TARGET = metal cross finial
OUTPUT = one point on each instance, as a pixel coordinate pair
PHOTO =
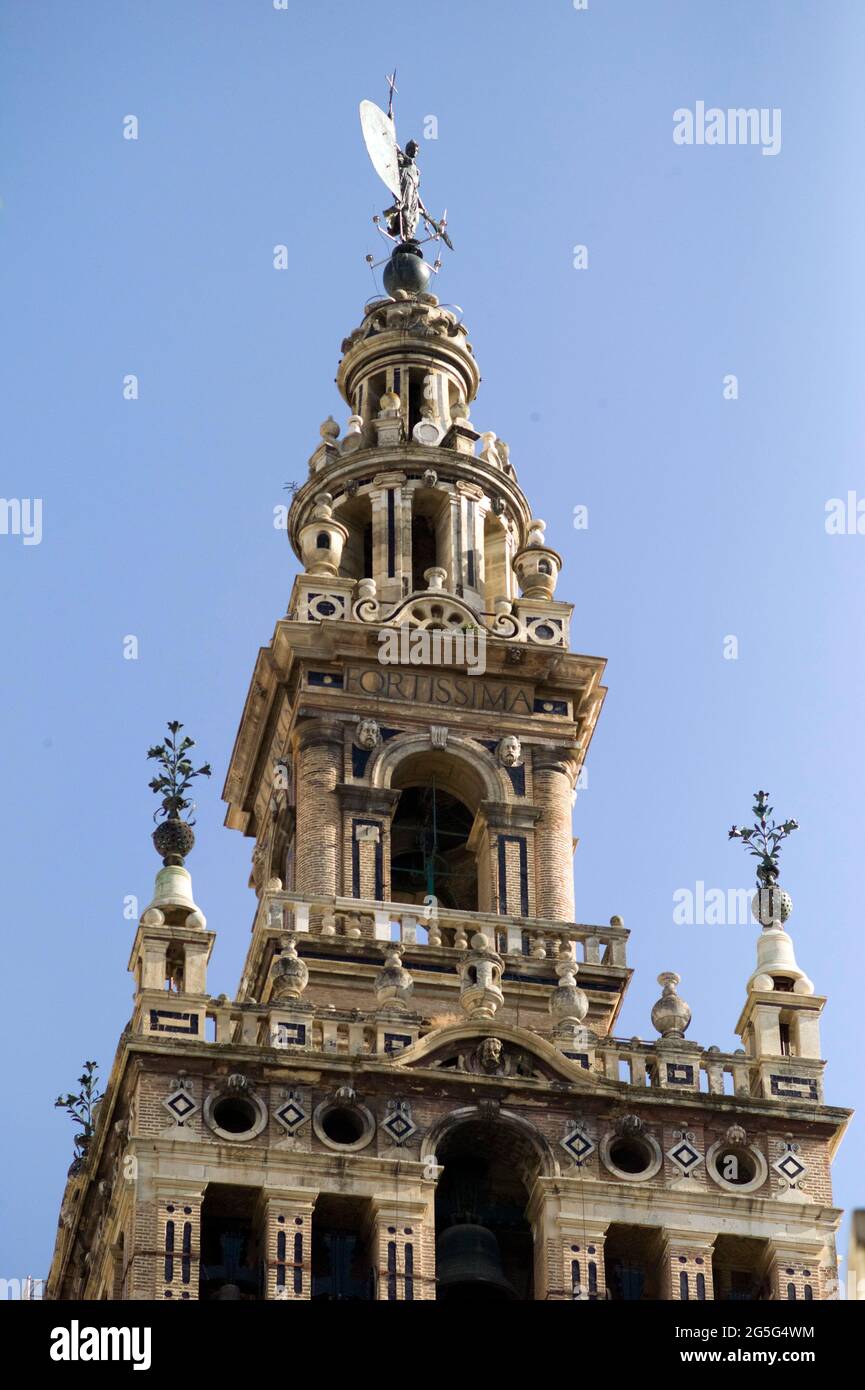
(764, 839)
(392, 87)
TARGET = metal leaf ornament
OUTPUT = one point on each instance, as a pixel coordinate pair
(764, 839)
(177, 774)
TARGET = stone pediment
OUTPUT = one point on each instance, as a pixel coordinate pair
(497, 1051)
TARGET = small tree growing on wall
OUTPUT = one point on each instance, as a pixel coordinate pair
(80, 1107)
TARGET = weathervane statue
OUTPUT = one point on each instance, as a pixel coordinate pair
(399, 172)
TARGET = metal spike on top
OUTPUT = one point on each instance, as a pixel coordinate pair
(764, 839)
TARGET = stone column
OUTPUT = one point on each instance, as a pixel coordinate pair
(286, 1227)
(502, 840)
(367, 813)
(388, 535)
(402, 1250)
(686, 1266)
(470, 546)
(569, 1247)
(319, 754)
(168, 1244)
(569, 1254)
(583, 1259)
(793, 1271)
(553, 780)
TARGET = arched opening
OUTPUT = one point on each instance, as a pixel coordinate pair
(355, 513)
(429, 849)
(429, 514)
(423, 549)
(484, 1241)
(341, 1265)
(231, 1243)
(435, 848)
(738, 1269)
(632, 1264)
(175, 967)
(498, 576)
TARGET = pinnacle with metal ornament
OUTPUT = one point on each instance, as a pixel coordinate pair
(398, 170)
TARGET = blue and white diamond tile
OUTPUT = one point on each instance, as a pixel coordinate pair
(180, 1104)
(577, 1145)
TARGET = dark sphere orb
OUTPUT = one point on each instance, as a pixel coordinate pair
(406, 270)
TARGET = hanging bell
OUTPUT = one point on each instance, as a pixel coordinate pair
(228, 1292)
(469, 1265)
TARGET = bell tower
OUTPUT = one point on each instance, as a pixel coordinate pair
(416, 727)
(417, 1091)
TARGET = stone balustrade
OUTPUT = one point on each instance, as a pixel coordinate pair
(438, 928)
(632, 1064)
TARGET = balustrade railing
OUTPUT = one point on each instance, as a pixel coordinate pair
(632, 1063)
(437, 927)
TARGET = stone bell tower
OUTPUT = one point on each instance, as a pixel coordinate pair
(418, 1092)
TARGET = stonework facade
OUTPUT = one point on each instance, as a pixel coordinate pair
(418, 1091)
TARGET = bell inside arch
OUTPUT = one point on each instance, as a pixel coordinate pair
(469, 1265)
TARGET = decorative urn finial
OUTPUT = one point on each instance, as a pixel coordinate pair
(480, 971)
(174, 838)
(771, 904)
(568, 1003)
(670, 1015)
(290, 973)
(393, 983)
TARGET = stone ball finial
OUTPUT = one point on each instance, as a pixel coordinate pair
(323, 509)
(489, 452)
(329, 429)
(536, 532)
(771, 906)
(389, 403)
(670, 1015)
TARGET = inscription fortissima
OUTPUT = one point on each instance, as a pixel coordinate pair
(425, 688)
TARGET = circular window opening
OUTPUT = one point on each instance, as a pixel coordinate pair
(343, 1126)
(630, 1155)
(735, 1166)
(234, 1115)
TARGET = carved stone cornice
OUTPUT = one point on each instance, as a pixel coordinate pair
(359, 796)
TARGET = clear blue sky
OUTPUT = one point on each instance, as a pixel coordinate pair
(706, 516)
